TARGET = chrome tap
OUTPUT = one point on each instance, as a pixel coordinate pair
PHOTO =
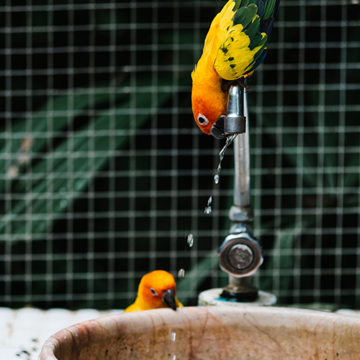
(241, 253)
(234, 121)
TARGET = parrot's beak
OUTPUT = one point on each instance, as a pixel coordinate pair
(169, 299)
(217, 130)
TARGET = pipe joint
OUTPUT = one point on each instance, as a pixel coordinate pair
(241, 214)
(240, 254)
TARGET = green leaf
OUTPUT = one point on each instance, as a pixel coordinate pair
(29, 136)
(72, 154)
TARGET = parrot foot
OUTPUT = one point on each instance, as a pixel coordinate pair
(243, 84)
(227, 83)
(225, 86)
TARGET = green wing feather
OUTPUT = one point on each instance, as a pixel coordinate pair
(237, 5)
(246, 15)
(258, 40)
(241, 45)
(246, 40)
(253, 28)
(269, 9)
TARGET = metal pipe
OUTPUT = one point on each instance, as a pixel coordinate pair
(242, 210)
(242, 164)
(240, 254)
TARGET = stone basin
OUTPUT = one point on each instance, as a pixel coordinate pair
(210, 333)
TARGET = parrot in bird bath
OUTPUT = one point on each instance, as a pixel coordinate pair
(234, 47)
(156, 290)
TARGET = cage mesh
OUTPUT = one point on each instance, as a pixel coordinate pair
(104, 172)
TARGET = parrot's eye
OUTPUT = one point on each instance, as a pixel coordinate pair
(153, 292)
(202, 120)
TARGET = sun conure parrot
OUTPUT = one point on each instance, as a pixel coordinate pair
(156, 290)
(234, 47)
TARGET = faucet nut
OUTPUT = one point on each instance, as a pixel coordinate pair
(240, 256)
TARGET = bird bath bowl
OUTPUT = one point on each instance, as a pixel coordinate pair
(210, 333)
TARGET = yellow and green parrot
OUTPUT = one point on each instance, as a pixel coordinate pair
(234, 47)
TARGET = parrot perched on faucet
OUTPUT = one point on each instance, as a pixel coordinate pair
(234, 47)
(156, 290)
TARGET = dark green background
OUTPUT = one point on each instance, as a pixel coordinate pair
(118, 173)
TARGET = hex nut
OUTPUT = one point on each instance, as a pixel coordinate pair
(228, 263)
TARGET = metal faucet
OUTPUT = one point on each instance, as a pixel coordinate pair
(241, 253)
(234, 122)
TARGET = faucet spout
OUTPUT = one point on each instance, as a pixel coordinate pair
(234, 121)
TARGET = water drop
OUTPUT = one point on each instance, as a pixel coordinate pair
(207, 210)
(229, 141)
(208, 207)
(181, 273)
(190, 240)
(172, 335)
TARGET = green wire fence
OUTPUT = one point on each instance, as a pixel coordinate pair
(104, 172)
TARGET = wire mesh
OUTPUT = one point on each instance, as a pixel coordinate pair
(105, 172)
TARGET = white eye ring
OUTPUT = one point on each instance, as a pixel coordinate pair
(153, 292)
(202, 120)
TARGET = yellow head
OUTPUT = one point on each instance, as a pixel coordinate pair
(158, 290)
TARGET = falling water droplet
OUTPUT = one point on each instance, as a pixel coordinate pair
(190, 240)
(172, 335)
(181, 273)
(207, 210)
(208, 207)
(229, 141)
